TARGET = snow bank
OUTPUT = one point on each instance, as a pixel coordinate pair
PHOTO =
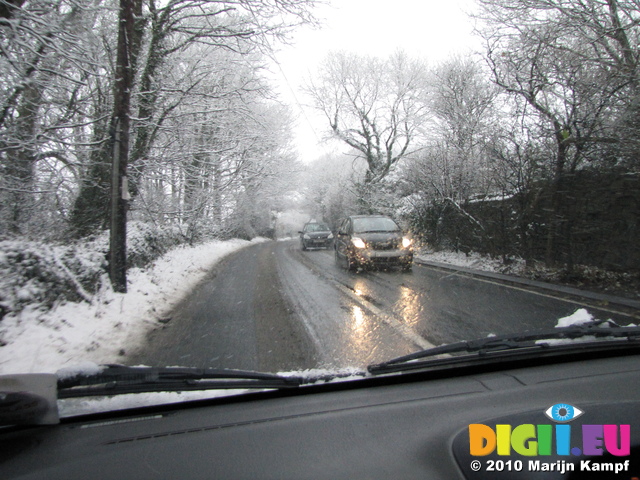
(44, 340)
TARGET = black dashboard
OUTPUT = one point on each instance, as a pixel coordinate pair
(414, 426)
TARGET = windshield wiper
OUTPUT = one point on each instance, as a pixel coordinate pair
(119, 379)
(499, 343)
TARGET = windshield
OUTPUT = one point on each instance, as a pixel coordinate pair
(374, 224)
(155, 204)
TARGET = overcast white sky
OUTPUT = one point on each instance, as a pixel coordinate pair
(429, 29)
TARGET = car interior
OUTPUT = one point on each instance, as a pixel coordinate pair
(410, 425)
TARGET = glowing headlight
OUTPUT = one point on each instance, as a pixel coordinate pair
(406, 242)
(306, 237)
(358, 242)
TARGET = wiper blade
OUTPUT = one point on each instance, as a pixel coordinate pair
(119, 379)
(532, 339)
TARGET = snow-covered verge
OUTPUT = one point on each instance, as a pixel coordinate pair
(46, 330)
(473, 260)
(625, 284)
(38, 274)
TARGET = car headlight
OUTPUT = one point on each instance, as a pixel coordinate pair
(358, 242)
(406, 242)
(306, 237)
(330, 236)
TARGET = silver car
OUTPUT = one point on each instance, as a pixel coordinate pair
(368, 240)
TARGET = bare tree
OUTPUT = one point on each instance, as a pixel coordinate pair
(215, 159)
(328, 188)
(608, 28)
(456, 161)
(43, 77)
(170, 30)
(465, 115)
(570, 63)
(375, 106)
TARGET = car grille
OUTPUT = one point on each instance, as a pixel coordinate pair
(387, 245)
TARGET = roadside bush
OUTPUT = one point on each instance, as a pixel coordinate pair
(146, 242)
(41, 274)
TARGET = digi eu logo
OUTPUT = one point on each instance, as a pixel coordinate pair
(532, 440)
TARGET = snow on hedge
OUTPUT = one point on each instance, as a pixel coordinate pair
(58, 308)
(42, 275)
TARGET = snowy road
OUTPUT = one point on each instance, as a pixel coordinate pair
(272, 307)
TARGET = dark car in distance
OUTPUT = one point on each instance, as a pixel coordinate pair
(315, 235)
(372, 240)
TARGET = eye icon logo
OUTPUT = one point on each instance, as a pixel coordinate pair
(563, 412)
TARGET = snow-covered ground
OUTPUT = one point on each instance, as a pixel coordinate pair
(104, 330)
(473, 260)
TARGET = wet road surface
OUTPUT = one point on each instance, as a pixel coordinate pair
(273, 307)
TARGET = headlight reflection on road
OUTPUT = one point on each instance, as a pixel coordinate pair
(362, 325)
(409, 305)
(360, 332)
(358, 317)
(360, 289)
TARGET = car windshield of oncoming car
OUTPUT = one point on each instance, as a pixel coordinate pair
(335, 119)
(374, 224)
(316, 227)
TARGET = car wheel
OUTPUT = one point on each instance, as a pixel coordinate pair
(304, 247)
